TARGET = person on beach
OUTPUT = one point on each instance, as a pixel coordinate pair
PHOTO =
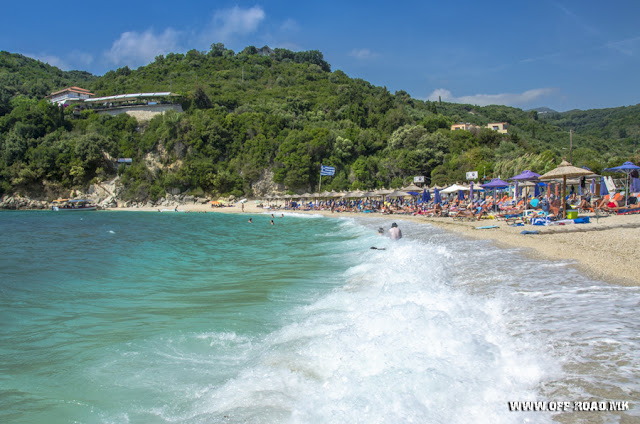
(242, 207)
(395, 232)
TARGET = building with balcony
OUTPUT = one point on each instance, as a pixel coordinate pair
(70, 95)
(501, 127)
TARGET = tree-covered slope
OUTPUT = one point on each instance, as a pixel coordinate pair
(276, 114)
(23, 76)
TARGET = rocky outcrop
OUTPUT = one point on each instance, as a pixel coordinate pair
(17, 202)
(265, 185)
(106, 195)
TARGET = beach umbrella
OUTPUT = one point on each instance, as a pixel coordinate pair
(603, 187)
(412, 189)
(471, 191)
(524, 176)
(436, 196)
(627, 168)
(565, 170)
(536, 190)
(425, 196)
(495, 184)
(453, 188)
(398, 193)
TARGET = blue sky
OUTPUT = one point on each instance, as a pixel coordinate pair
(560, 54)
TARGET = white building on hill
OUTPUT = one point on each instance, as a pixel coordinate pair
(70, 95)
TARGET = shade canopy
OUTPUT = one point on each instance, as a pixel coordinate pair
(526, 176)
(454, 188)
(496, 183)
(565, 169)
(398, 193)
(626, 167)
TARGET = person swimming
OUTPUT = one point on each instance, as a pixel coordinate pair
(395, 232)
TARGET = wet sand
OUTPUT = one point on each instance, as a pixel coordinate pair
(607, 248)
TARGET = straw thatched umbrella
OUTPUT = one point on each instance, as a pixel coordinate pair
(398, 193)
(565, 170)
(412, 187)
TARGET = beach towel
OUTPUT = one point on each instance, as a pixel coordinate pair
(529, 232)
(611, 187)
(540, 221)
(582, 220)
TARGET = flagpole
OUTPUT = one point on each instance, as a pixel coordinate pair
(320, 184)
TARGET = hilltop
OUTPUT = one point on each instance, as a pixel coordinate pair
(265, 119)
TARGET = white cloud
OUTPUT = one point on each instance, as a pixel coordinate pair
(235, 21)
(362, 54)
(626, 47)
(508, 99)
(290, 26)
(81, 59)
(135, 49)
(51, 60)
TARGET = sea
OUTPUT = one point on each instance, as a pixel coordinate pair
(146, 317)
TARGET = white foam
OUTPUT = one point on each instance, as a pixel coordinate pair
(395, 344)
(433, 329)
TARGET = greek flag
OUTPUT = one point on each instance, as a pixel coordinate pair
(327, 170)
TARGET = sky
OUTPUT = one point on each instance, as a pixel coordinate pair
(578, 54)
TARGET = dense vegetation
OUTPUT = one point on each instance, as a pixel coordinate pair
(278, 114)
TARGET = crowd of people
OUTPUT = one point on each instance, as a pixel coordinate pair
(479, 206)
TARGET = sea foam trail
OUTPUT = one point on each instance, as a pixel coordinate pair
(395, 343)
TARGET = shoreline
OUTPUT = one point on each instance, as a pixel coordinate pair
(606, 249)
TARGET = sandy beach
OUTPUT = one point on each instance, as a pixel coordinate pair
(607, 248)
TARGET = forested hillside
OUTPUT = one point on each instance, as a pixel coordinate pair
(274, 114)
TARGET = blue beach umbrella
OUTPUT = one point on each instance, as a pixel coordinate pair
(593, 186)
(436, 196)
(460, 195)
(495, 184)
(524, 176)
(471, 191)
(536, 190)
(425, 196)
(627, 168)
(603, 188)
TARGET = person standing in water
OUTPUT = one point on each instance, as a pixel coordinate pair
(250, 222)
(395, 232)
(272, 222)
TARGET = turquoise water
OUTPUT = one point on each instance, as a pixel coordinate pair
(115, 317)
